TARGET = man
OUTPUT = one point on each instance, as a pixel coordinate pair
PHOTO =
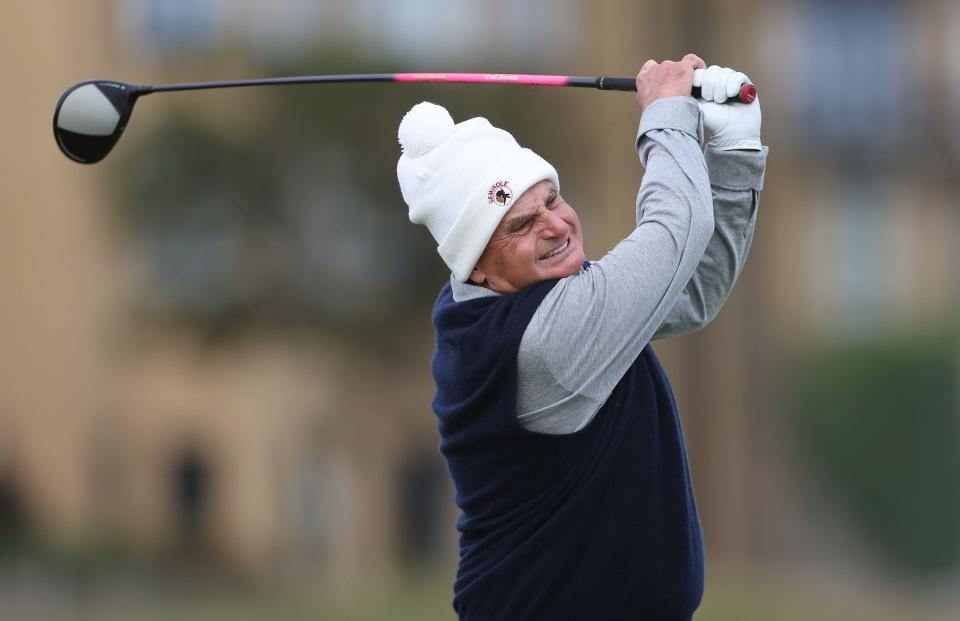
(557, 422)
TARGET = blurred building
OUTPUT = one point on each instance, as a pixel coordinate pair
(318, 458)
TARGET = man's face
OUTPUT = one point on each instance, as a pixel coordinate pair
(538, 239)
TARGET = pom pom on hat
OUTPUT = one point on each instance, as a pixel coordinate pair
(424, 127)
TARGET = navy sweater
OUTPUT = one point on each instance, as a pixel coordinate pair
(595, 525)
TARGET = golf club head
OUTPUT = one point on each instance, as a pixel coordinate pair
(90, 118)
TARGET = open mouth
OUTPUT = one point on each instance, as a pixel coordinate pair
(556, 250)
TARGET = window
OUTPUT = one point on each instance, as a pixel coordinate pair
(853, 75)
(170, 26)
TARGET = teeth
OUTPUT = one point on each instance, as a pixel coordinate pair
(556, 251)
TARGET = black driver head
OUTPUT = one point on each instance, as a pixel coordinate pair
(91, 116)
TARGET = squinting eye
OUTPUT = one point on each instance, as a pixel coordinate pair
(521, 226)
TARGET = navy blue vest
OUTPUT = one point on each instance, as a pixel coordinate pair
(591, 526)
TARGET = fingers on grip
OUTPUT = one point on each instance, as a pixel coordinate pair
(718, 84)
(698, 76)
(735, 83)
(695, 61)
(709, 82)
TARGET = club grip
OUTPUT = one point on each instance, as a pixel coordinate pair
(748, 92)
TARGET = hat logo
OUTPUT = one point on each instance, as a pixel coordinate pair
(500, 194)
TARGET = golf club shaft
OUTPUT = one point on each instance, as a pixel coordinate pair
(747, 92)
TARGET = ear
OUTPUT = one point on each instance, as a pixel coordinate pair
(477, 277)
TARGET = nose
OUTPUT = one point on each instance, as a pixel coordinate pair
(554, 226)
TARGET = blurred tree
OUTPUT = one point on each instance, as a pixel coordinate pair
(879, 422)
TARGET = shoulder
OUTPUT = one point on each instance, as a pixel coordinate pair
(499, 311)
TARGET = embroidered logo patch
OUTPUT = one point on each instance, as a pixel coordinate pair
(500, 194)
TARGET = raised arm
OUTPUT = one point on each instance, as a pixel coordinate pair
(736, 161)
(593, 325)
(736, 178)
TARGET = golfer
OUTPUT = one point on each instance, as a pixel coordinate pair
(558, 425)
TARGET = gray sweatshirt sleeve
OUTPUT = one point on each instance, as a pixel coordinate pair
(736, 178)
(593, 324)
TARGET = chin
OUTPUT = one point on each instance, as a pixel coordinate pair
(563, 266)
(570, 266)
(577, 257)
(575, 265)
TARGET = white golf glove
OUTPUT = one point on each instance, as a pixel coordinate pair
(731, 125)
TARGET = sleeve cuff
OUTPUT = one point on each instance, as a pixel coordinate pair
(679, 113)
(736, 170)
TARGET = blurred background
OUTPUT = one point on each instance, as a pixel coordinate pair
(214, 380)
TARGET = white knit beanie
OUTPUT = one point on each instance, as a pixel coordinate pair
(460, 179)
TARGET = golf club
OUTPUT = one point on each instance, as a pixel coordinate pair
(90, 116)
